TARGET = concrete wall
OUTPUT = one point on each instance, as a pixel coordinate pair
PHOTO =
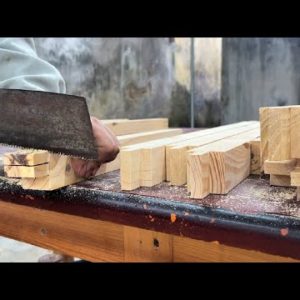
(258, 72)
(140, 77)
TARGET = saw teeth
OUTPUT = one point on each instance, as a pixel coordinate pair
(59, 153)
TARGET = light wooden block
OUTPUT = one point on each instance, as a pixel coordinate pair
(282, 167)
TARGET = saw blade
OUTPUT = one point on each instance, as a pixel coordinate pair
(58, 123)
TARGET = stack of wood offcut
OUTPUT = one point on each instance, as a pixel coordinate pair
(280, 144)
(207, 161)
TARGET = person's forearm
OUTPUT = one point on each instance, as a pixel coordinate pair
(21, 68)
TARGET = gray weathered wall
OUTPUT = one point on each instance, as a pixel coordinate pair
(139, 77)
(258, 72)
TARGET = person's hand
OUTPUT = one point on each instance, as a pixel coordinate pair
(107, 146)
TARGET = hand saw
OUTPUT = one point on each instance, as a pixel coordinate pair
(58, 123)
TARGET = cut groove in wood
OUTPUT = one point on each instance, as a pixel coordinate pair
(61, 174)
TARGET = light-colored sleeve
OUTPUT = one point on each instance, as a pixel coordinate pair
(21, 68)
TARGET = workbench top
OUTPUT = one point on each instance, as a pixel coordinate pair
(253, 216)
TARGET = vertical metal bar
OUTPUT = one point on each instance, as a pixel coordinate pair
(192, 88)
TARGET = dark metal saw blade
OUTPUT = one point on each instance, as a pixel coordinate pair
(40, 120)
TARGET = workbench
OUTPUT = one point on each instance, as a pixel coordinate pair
(94, 220)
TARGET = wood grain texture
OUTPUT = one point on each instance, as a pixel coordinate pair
(142, 245)
(27, 171)
(85, 238)
(26, 158)
(157, 172)
(189, 250)
(218, 171)
(102, 241)
(282, 167)
(205, 134)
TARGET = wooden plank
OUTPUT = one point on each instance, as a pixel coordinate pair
(264, 130)
(61, 174)
(282, 167)
(255, 166)
(218, 170)
(200, 178)
(142, 245)
(158, 148)
(134, 126)
(85, 238)
(295, 132)
(190, 250)
(279, 133)
(280, 180)
(178, 154)
(26, 158)
(101, 241)
(27, 171)
(131, 139)
(205, 135)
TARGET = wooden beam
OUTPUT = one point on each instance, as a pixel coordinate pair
(101, 241)
(190, 250)
(157, 148)
(205, 135)
(178, 154)
(218, 168)
(85, 238)
(134, 126)
(282, 167)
